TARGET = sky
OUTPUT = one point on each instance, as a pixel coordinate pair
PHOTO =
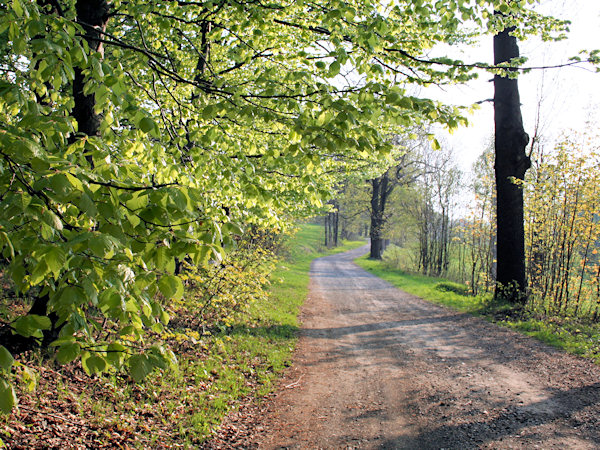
(569, 96)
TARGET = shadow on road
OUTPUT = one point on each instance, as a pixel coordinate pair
(560, 405)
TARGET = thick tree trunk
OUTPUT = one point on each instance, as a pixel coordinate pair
(511, 163)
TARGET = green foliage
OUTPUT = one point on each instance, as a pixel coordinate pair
(217, 370)
(32, 325)
(571, 335)
(221, 292)
(562, 228)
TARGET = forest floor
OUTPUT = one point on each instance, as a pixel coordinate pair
(379, 368)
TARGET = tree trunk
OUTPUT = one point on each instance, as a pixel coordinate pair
(510, 166)
(336, 226)
(93, 15)
(378, 199)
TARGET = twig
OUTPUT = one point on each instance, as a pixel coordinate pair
(56, 416)
(294, 384)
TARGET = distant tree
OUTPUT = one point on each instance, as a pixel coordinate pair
(437, 186)
(405, 171)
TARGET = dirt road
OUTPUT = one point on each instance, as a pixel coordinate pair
(379, 368)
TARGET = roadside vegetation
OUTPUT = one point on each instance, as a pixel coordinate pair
(572, 334)
(234, 331)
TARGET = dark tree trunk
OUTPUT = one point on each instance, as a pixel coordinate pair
(331, 228)
(379, 196)
(93, 16)
(336, 225)
(511, 163)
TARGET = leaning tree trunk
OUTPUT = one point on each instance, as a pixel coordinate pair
(511, 163)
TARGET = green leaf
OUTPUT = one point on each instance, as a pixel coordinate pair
(52, 219)
(87, 205)
(8, 399)
(68, 352)
(18, 8)
(93, 363)
(6, 359)
(55, 259)
(39, 273)
(28, 379)
(4, 238)
(115, 352)
(334, 68)
(171, 286)
(139, 367)
(73, 295)
(31, 324)
(101, 245)
(162, 257)
(147, 124)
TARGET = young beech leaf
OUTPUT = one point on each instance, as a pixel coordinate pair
(68, 352)
(8, 399)
(115, 352)
(147, 124)
(31, 324)
(171, 286)
(334, 68)
(93, 363)
(139, 367)
(6, 359)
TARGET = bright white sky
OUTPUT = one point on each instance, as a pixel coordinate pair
(571, 96)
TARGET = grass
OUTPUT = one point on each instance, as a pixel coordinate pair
(567, 333)
(423, 286)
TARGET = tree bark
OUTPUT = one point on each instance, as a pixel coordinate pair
(93, 15)
(511, 163)
(378, 200)
(336, 223)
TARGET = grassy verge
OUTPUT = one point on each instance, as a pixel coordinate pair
(172, 408)
(567, 333)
